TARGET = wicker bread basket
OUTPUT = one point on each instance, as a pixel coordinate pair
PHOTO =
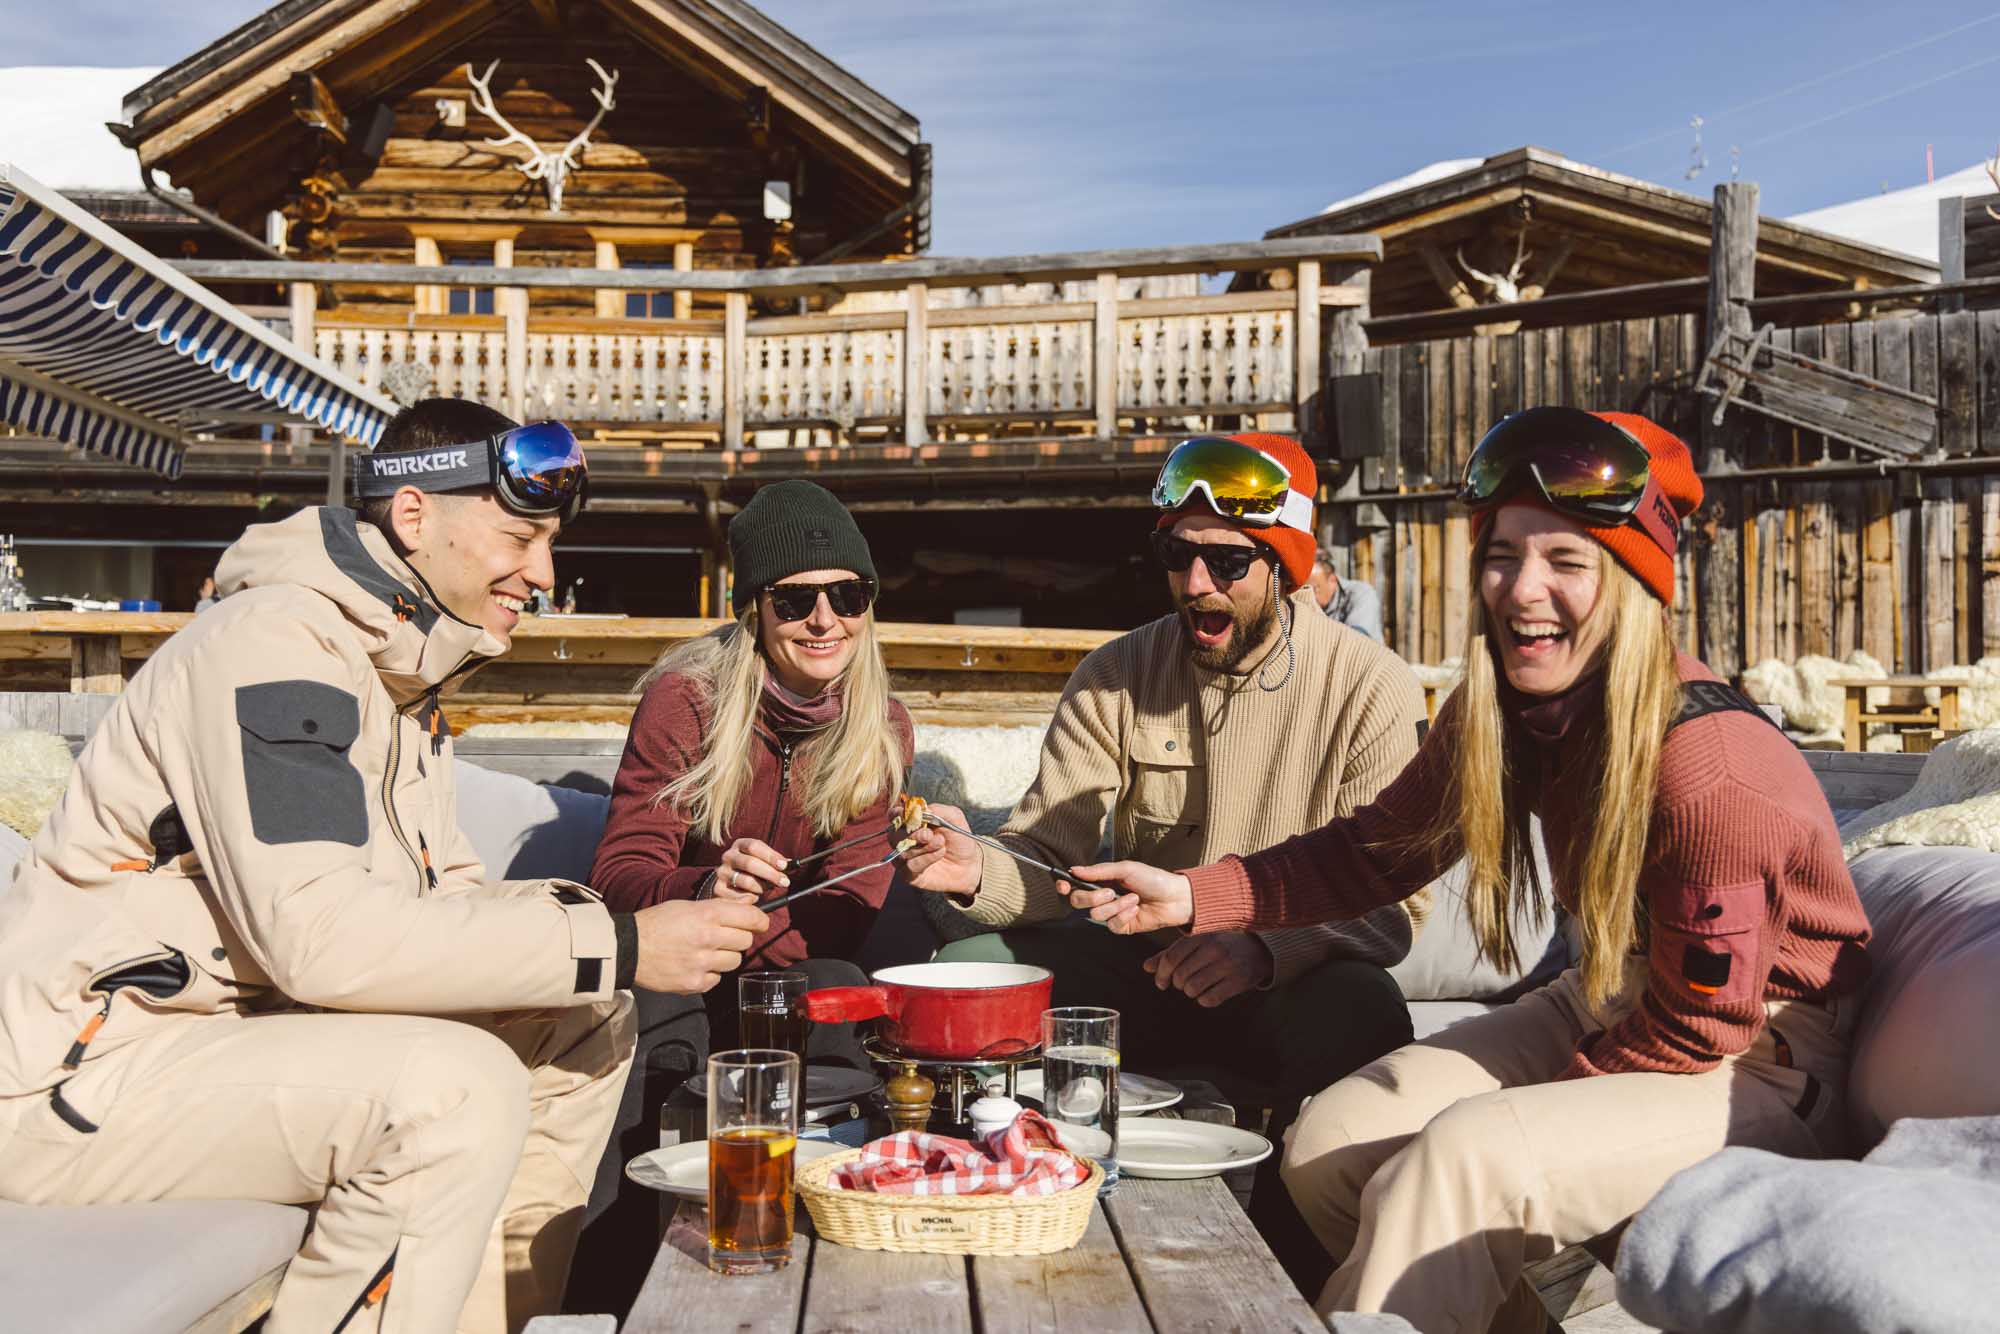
(946, 1224)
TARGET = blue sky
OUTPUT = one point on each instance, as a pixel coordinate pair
(1073, 124)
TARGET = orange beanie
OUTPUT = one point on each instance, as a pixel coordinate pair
(1672, 470)
(1295, 550)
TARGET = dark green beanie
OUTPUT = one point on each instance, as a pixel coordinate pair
(787, 529)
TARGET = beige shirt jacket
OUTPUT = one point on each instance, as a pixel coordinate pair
(1190, 765)
(266, 820)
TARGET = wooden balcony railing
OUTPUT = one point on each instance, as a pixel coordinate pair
(958, 350)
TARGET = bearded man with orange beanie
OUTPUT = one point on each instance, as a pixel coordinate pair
(1237, 721)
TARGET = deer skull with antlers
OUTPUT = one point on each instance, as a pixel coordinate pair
(1500, 288)
(550, 168)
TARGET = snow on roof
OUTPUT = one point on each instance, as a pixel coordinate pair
(52, 124)
(1421, 176)
(1904, 220)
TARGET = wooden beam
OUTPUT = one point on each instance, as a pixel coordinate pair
(683, 262)
(608, 303)
(549, 14)
(735, 365)
(1307, 385)
(916, 362)
(314, 106)
(1104, 356)
(1228, 256)
(1732, 282)
(1453, 286)
(1951, 251)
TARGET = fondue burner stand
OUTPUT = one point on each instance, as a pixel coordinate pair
(959, 1084)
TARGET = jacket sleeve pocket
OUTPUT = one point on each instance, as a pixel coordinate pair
(302, 786)
(1705, 940)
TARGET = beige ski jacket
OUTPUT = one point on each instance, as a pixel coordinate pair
(266, 820)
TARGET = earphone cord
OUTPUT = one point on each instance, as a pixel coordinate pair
(1285, 614)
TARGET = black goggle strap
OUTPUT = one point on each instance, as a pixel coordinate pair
(450, 468)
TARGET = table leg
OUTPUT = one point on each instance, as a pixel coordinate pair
(95, 666)
(1852, 738)
(1948, 708)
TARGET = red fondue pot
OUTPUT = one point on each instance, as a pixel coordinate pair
(946, 1011)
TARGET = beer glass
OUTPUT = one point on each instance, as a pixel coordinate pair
(1080, 1080)
(753, 1129)
(770, 1011)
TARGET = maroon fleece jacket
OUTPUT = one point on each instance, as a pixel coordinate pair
(1745, 891)
(649, 854)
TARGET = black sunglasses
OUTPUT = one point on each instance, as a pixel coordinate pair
(1225, 562)
(847, 597)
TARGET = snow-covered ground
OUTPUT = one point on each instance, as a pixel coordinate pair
(52, 121)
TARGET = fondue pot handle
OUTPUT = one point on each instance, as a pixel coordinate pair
(841, 1005)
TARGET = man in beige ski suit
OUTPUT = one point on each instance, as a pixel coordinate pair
(251, 955)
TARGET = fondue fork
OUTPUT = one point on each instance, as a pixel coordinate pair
(770, 905)
(997, 846)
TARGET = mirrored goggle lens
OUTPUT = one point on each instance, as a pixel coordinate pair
(847, 597)
(1240, 482)
(1225, 562)
(543, 464)
(1581, 462)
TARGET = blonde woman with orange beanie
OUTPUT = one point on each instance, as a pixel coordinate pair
(1721, 939)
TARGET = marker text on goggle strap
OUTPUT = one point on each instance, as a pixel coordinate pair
(405, 465)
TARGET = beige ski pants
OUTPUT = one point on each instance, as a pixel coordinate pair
(450, 1157)
(1436, 1173)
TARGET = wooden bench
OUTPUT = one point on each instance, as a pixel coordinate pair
(1857, 714)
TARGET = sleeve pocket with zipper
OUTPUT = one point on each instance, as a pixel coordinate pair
(1706, 937)
(301, 785)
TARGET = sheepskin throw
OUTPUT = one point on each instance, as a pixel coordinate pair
(34, 769)
(1954, 803)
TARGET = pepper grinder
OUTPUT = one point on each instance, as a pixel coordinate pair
(909, 1096)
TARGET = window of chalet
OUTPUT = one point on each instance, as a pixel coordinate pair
(470, 300)
(655, 305)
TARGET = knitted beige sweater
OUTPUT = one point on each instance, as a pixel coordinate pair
(1192, 765)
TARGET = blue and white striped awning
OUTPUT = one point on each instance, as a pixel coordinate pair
(104, 347)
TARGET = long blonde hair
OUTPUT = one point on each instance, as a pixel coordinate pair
(1489, 819)
(841, 770)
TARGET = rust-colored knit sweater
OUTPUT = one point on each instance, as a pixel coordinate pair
(1746, 894)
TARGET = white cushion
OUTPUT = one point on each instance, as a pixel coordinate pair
(1444, 963)
(523, 830)
(1429, 1018)
(1928, 1043)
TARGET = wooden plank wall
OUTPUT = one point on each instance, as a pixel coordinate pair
(1833, 554)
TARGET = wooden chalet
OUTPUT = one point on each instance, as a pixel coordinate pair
(1532, 224)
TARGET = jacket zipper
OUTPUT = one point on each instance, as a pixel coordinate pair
(784, 781)
(389, 792)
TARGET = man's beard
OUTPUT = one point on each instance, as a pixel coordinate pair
(1248, 631)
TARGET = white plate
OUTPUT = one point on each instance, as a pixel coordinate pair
(1178, 1150)
(1136, 1093)
(682, 1169)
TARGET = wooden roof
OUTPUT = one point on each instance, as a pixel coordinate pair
(1617, 231)
(205, 118)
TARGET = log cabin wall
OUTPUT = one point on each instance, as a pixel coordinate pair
(1824, 551)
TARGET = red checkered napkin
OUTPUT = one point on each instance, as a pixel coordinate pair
(1024, 1159)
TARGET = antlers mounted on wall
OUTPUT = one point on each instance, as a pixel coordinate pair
(1502, 288)
(552, 168)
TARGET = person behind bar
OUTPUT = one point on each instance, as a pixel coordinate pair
(1236, 721)
(768, 740)
(251, 955)
(1723, 943)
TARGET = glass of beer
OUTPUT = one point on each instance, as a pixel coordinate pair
(770, 1011)
(753, 1131)
(1080, 1080)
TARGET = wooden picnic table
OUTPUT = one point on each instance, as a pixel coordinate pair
(1159, 1257)
(1857, 714)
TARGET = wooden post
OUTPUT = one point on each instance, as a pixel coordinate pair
(94, 666)
(610, 302)
(514, 308)
(1732, 281)
(305, 319)
(735, 367)
(1346, 345)
(683, 261)
(1308, 389)
(427, 300)
(1951, 252)
(916, 362)
(1104, 357)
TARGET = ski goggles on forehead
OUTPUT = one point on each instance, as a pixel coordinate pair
(537, 470)
(1241, 483)
(847, 597)
(1583, 467)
